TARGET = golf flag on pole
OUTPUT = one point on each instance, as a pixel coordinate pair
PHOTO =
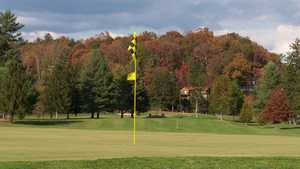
(131, 76)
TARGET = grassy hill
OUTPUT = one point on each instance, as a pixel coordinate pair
(173, 123)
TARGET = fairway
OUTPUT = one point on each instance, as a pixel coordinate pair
(29, 144)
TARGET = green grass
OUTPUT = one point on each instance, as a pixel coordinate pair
(30, 144)
(163, 163)
(172, 142)
(204, 124)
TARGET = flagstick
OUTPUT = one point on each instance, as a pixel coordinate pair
(133, 77)
(134, 104)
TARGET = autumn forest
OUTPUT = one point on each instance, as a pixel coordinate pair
(194, 72)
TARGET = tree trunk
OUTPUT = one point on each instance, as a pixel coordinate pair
(294, 121)
(122, 115)
(56, 115)
(98, 115)
(131, 115)
(11, 118)
(92, 115)
(68, 116)
(196, 109)
(221, 117)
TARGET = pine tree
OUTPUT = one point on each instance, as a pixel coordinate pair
(237, 98)
(16, 89)
(97, 86)
(164, 92)
(277, 108)
(58, 88)
(3, 72)
(74, 71)
(226, 97)
(104, 88)
(142, 96)
(124, 94)
(291, 76)
(270, 79)
(10, 37)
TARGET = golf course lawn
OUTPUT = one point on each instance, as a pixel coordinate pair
(178, 124)
(161, 143)
(163, 163)
(29, 144)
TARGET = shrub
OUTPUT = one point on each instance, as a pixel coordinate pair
(246, 115)
(156, 115)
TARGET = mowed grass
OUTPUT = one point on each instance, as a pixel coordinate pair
(175, 142)
(181, 124)
(31, 144)
(163, 163)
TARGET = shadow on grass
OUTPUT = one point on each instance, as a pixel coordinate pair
(47, 122)
(290, 128)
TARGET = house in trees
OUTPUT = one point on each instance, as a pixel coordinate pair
(184, 98)
(247, 86)
(190, 96)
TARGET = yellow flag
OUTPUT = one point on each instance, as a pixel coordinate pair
(133, 48)
(133, 42)
(133, 57)
(131, 76)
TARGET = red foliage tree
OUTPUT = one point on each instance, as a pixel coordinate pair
(277, 109)
(181, 75)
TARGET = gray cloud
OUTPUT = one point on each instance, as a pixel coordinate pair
(82, 18)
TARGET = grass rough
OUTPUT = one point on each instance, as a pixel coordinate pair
(163, 163)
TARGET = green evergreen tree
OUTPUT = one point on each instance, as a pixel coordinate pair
(269, 80)
(142, 97)
(74, 71)
(237, 98)
(291, 76)
(3, 72)
(164, 92)
(124, 94)
(97, 86)
(16, 90)
(226, 97)
(58, 88)
(10, 37)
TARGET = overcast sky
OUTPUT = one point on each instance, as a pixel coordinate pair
(272, 23)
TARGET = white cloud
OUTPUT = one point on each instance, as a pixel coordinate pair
(277, 39)
(286, 34)
(31, 36)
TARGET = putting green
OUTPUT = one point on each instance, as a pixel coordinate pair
(19, 144)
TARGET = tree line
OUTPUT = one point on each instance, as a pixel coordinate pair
(67, 76)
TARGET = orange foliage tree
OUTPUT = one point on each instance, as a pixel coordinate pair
(239, 68)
